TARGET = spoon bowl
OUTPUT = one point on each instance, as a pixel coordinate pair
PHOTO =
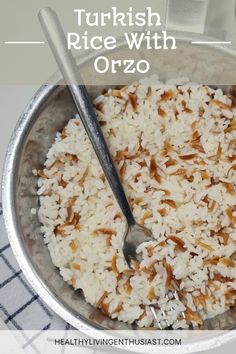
(135, 235)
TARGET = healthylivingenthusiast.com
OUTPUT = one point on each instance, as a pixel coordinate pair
(117, 341)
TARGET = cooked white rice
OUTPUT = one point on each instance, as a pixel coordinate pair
(174, 145)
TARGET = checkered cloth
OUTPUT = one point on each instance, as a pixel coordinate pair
(20, 307)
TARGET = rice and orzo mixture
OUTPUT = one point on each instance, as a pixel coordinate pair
(174, 146)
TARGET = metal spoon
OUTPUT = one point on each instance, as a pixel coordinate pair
(135, 234)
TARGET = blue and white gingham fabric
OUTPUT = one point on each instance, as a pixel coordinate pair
(20, 307)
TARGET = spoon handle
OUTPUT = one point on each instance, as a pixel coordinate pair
(67, 65)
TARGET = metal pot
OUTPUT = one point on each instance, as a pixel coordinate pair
(48, 112)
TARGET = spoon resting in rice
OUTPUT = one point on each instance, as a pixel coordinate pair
(135, 234)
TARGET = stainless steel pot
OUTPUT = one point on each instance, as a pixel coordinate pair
(48, 112)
